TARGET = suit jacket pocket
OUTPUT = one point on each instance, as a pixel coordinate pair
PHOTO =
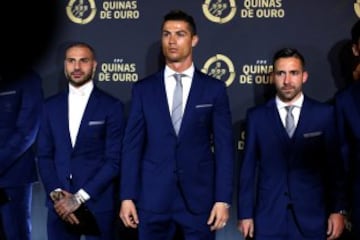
(204, 105)
(203, 113)
(312, 134)
(94, 123)
(9, 101)
(96, 129)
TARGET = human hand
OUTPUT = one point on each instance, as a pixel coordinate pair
(246, 227)
(128, 214)
(65, 204)
(219, 216)
(336, 225)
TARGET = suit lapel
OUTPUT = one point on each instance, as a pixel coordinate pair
(304, 119)
(62, 119)
(275, 120)
(159, 91)
(91, 106)
(195, 94)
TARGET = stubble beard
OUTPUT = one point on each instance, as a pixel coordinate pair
(86, 79)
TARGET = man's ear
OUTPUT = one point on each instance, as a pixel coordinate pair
(355, 50)
(195, 40)
(305, 76)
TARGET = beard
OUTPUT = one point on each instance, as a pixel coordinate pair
(78, 82)
(287, 95)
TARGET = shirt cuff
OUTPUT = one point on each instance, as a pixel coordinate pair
(225, 204)
(82, 195)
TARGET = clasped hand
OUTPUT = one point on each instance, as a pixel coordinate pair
(65, 207)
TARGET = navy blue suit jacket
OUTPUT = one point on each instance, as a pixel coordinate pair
(20, 111)
(156, 161)
(304, 171)
(93, 163)
(347, 104)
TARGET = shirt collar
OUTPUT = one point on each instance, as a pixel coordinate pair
(297, 103)
(188, 72)
(83, 90)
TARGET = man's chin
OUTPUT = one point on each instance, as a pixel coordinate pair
(78, 83)
(173, 58)
(287, 97)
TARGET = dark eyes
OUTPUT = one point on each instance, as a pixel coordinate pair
(179, 34)
(82, 60)
(283, 73)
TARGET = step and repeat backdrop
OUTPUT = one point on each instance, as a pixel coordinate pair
(237, 41)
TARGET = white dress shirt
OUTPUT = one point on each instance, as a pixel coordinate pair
(296, 111)
(77, 101)
(170, 83)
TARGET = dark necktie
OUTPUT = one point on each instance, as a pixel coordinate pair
(176, 114)
(289, 121)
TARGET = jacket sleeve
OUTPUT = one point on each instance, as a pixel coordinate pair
(27, 122)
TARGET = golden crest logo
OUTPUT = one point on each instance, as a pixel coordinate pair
(219, 11)
(220, 67)
(81, 11)
(357, 8)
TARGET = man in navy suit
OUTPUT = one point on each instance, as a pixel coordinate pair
(291, 185)
(173, 178)
(79, 148)
(347, 105)
(21, 100)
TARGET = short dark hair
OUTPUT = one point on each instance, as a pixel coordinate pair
(355, 32)
(181, 16)
(80, 44)
(289, 52)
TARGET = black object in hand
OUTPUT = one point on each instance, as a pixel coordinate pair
(87, 225)
(87, 222)
(4, 198)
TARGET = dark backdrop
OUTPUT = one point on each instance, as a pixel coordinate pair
(237, 41)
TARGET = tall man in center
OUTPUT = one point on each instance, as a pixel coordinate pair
(177, 166)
